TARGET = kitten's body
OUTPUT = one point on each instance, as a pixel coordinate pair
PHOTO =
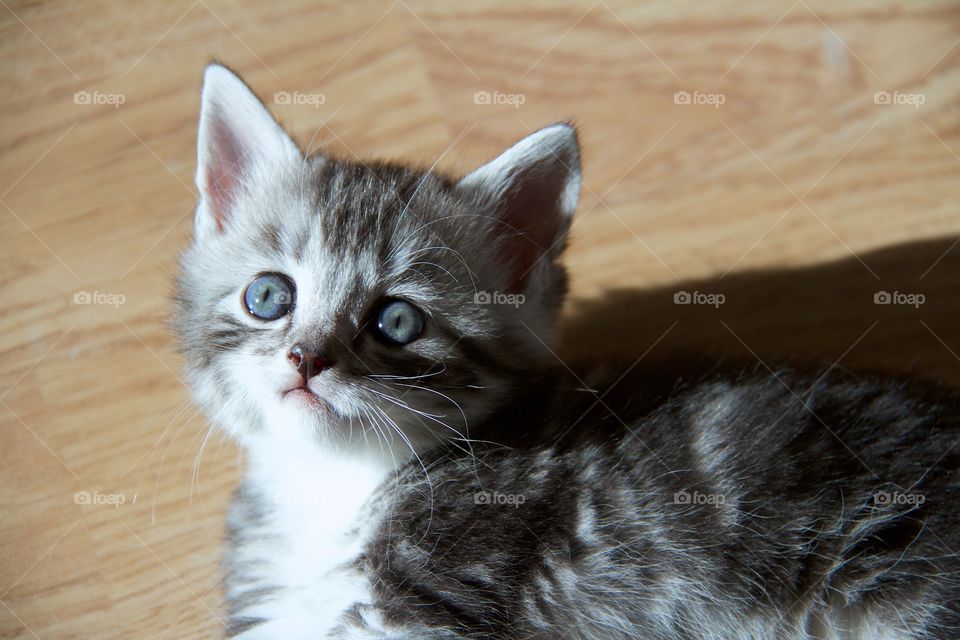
(603, 544)
(458, 485)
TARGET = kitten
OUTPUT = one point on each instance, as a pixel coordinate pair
(378, 339)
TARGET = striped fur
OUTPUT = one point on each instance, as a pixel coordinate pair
(464, 486)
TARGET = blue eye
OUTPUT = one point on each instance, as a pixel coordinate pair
(269, 296)
(399, 322)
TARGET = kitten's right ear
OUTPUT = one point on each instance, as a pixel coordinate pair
(238, 137)
(531, 190)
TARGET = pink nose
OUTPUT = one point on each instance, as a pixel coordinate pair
(308, 363)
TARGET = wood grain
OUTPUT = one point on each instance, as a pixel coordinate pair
(798, 198)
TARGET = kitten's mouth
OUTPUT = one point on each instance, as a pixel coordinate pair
(304, 394)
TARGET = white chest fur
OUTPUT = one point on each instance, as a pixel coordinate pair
(316, 526)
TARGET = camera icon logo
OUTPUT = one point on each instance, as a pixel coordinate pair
(882, 297)
(82, 297)
(481, 297)
(82, 497)
(682, 297)
(481, 497)
(882, 97)
(682, 497)
(281, 97)
(681, 97)
(82, 97)
(482, 97)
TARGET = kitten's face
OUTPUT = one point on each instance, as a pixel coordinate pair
(347, 300)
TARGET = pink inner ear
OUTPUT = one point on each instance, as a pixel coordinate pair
(220, 185)
(221, 175)
(531, 211)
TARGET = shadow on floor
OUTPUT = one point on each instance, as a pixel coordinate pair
(811, 315)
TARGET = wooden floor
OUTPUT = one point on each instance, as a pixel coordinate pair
(735, 148)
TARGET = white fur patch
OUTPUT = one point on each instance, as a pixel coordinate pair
(318, 527)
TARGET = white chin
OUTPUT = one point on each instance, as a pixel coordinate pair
(300, 411)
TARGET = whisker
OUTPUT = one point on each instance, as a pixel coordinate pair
(434, 264)
(445, 396)
(426, 473)
(448, 440)
(195, 474)
(382, 427)
(385, 376)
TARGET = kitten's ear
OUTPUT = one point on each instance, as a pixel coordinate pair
(532, 191)
(237, 138)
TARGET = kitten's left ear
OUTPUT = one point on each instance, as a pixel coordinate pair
(237, 139)
(531, 190)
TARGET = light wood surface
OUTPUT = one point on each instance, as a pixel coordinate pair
(797, 198)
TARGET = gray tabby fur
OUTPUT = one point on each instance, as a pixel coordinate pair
(464, 486)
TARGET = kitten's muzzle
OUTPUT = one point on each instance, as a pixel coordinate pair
(308, 363)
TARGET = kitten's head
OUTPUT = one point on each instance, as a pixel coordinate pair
(366, 302)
